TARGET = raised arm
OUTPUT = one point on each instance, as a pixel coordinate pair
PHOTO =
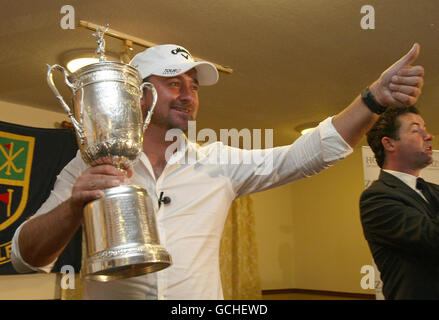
(399, 85)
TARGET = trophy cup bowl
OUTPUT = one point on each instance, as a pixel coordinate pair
(120, 228)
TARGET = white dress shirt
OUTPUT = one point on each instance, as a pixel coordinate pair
(201, 191)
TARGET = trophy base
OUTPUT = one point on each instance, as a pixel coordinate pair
(125, 262)
(122, 240)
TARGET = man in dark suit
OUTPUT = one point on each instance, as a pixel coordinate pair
(401, 222)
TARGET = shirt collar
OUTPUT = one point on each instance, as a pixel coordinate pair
(408, 179)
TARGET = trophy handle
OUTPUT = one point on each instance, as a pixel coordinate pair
(78, 127)
(154, 101)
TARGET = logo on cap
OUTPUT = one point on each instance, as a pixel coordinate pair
(167, 72)
(182, 51)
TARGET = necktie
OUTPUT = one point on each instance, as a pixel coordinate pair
(428, 194)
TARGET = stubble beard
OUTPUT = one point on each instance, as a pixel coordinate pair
(173, 121)
(423, 160)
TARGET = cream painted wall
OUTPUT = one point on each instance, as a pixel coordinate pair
(309, 234)
(36, 286)
(330, 247)
(275, 237)
(30, 116)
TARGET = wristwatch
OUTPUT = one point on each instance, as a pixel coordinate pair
(371, 103)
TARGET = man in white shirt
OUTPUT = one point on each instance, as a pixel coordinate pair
(400, 211)
(201, 188)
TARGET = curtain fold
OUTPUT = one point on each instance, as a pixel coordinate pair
(238, 253)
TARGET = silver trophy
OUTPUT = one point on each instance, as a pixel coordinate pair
(120, 229)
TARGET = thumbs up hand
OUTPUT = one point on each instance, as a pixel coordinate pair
(401, 84)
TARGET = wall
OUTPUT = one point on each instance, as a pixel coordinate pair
(30, 286)
(309, 234)
(275, 237)
(330, 248)
(30, 116)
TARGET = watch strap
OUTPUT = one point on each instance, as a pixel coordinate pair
(370, 101)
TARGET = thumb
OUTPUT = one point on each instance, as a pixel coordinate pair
(410, 57)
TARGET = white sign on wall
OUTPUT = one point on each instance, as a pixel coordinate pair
(371, 170)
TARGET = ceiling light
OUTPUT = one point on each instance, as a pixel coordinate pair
(306, 127)
(76, 64)
(302, 132)
(78, 58)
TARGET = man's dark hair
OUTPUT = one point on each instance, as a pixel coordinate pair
(387, 125)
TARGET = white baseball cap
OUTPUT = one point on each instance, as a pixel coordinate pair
(170, 60)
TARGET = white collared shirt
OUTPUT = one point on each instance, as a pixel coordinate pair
(201, 190)
(408, 179)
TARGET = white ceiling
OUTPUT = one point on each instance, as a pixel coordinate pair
(294, 61)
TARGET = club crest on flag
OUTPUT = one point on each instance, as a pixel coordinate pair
(16, 154)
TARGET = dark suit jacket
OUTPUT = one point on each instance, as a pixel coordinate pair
(403, 235)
